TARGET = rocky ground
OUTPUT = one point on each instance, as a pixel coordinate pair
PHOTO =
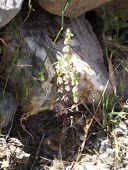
(55, 142)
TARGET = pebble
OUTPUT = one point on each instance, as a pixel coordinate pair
(104, 145)
(121, 129)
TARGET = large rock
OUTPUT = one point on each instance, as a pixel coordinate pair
(75, 8)
(8, 10)
(34, 74)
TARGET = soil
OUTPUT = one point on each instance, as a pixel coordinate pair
(51, 135)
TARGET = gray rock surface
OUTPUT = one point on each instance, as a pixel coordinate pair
(8, 105)
(8, 10)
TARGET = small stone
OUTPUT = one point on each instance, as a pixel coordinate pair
(126, 121)
(127, 155)
(94, 158)
(104, 145)
(90, 166)
(104, 155)
(110, 161)
(102, 166)
(110, 152)
(121, 129)
(79, 167)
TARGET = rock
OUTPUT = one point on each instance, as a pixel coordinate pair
(8, 106)
(8, 10)
(111, 152)
(12, 154)
(104, 145)
(101, 142)
(57, 164)
(101, 166)
(87, 163)
(121, 129)
(75, 8)
(124, 141)
(37, 79)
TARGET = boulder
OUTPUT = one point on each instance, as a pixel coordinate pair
(8, 10)
(33, 62)
(75, 8)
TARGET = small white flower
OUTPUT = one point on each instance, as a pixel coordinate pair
(66, 56)
(60, 89)
(66, 49)
(76, 99)
(67, 41)
(68, 33)
(59, 80)
(66, 78)
(63, 67)
(65, 98)
(67, 88)
(75, 89)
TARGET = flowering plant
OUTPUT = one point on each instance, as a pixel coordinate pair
(67, 75)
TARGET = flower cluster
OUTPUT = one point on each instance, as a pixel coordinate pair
(67, 75)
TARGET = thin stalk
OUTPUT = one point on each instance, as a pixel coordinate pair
(30, 8)
(62, 26)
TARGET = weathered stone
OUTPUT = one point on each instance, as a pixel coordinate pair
(8, 105)
(75, 8)
(8, 10)
(33, 67)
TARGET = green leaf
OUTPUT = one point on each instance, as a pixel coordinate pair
(118, 114)
(15, 58)
(123, 25)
